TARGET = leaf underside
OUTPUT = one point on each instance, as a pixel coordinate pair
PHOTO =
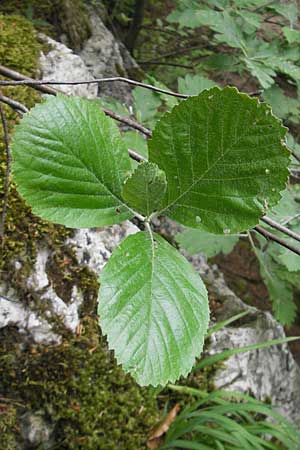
(153, 307)
(145, 188)
(224, 159)
(69, 163)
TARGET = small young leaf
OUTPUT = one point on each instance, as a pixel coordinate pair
(224, 159)
(198, 241)
(145, 188)
(153, 307)
(70, 162)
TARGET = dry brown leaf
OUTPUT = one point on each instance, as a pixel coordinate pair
(155, 439)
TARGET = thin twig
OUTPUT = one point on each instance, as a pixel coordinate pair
(30, 82)
(136, 156)
(49, 90)
(270, 236)
(295, 155)
(132, 153)
(277, 226)
(7, 172)
(179, 51)
(131, 123)
(17, 106)
(161, 63)
(290, 219)
(9, 73)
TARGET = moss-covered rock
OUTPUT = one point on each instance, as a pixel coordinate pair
(91, 402)
(19, 50)
(55, 17)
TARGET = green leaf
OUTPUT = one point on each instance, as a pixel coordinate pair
(194, 84)
(224, 159)
(198, 241)
(145, 188)
(282, 65)
(292, 144)
(186, 17)
(292, 36)
(114, 105)
(222, 23)
(153, 307)
(136, 141)
(263, 73)
(220, 62)
(70, 162)
(280, 292)
(287, 207)
(288, 10)
(146, 104)
(251, 19)
(290, 260)
(282, 106)
(169, 100)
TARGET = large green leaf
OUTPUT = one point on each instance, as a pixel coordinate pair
(224, 159)
(145, 188)
(70, 163)
(153, 307)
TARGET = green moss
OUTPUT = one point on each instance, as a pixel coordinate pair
(8, 425)
(54, 17)
(92, 403)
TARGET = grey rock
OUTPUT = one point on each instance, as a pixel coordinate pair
(268, 374)
(94, 247)
(35, 430)
(39, 282)
(61, 63)
(13, 313)
(101, 54)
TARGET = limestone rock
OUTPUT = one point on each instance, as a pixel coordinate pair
(61, 63)
(101, 53)
(94, 247)
(268, 374)
(13, 313)
(35, 430)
